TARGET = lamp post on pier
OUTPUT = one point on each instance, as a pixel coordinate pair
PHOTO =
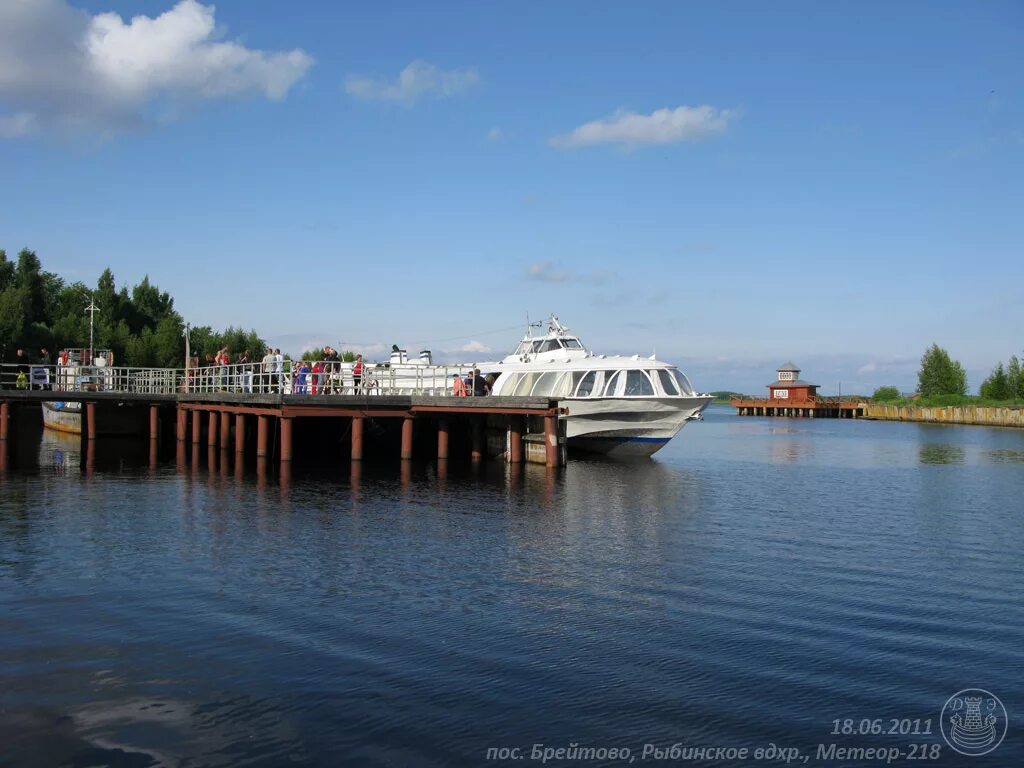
(92, 309)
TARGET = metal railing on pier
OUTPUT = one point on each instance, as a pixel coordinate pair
(91, 378)
(286, 378)
(335, 378)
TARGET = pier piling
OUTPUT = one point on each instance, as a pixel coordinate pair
(262, 438)
(442, 439)
(357, 438)
(286, 439)
(551, 441)
(239, 433)
(515, 440)
(407, 437)
(225, 431)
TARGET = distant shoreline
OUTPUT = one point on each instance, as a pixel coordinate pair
(978, 415)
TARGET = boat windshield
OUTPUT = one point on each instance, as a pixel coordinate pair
(684, 383)
(546, 345)
(573, 344)
(668, 383)
(638, 385)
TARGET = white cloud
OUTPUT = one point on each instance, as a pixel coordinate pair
(867, 368)
(65, 69)
(418, 80)
(546, 272)
(495, 134)
(473, 346)
(663, 126)
(13, 126)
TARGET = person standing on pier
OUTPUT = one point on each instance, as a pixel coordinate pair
(479, 385)
(279, 369)
(244, 373)
(357, 372)
(222, 362)
(267, 371)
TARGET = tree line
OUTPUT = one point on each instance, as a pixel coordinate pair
(941, 375)
(39, 309)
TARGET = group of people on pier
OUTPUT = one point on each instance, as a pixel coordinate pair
(274, 373)
(327, 375)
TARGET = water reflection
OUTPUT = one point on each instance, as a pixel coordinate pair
(415, 614)
(1004, 456)
(60, 451)
(941, 453)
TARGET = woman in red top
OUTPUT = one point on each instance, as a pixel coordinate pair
(357, 371)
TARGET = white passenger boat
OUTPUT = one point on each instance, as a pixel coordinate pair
(617, 405)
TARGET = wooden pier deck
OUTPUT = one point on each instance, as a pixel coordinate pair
(516, 429)
(819, 408)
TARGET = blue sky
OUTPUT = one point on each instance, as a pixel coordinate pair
(729, 184)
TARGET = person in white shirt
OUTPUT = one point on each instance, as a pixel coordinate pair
(279, 369)
(267, 370)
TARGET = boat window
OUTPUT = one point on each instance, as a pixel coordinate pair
(525, 384)
(612, 385)
(638, 385)
(536, 345)
(573, 344)
(562, 386)
(583, 383)
(667, 382)
(509, 385)
(684, 383)
(549, 345)
(546, 384)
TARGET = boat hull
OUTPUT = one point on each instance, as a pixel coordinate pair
(63, 417)
(628, 427)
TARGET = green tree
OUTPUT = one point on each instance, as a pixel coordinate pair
(6, 271)
(28, 276)
(1015, 378)
(169, 342)
(886, 394)
(997, 385)
(940, 375)
(13, 319)
(140, 326)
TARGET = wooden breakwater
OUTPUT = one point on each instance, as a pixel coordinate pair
(983, 415)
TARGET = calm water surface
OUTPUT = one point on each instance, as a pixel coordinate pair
(757, 581)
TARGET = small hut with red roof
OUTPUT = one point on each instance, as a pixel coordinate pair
(790, 388)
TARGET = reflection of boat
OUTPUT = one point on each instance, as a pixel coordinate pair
(63, 417)
(59, 451)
